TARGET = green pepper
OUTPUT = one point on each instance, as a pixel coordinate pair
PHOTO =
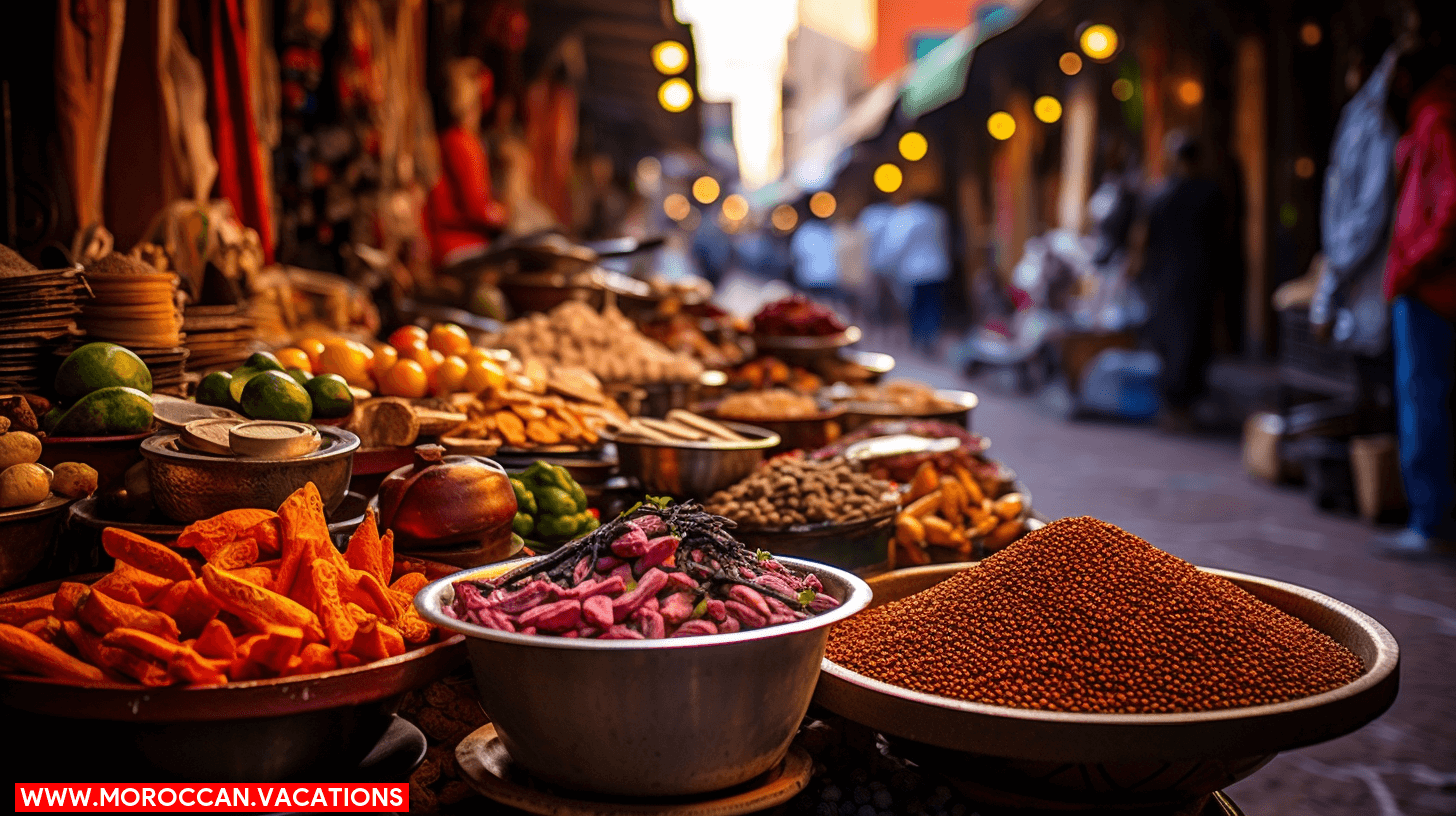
(553, 501)
(567, 526)
(525, 500)
(522, 524)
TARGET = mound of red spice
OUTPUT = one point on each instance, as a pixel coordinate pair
(1084, 616)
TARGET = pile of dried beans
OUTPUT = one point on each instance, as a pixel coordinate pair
(654, 572)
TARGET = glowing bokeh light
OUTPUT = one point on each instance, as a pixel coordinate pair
(888, 178)
(669, 57)
(649, 170)
(1304, 167)
(913, 146)
(676, 206)
(1070, 63)
(705, 189)
(1047, 109)
(735, 207)
(822, 204)
(675, 95)
(784, 217)
(1190, 92)
(1122, 89)
(1001, 125)
(1310, 34)
(1099, 42)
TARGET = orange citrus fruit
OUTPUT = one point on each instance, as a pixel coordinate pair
(406, 336)
(384, 357)
(450, 375)
(350, 360)
(483, 374)
(406, 378)
(313, 347)
(449, 338)
(294, 358)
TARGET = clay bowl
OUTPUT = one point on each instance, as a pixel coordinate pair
(254, 731)
(189, 486)
(1059, 759)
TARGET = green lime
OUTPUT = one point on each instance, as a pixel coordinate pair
(275, 395)
(101, 365)
(239, 381)
(213, 390)
(263, 361)
(113, 411)
(299, 375)
(331, 396)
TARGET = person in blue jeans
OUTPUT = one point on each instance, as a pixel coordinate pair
(1420, 281)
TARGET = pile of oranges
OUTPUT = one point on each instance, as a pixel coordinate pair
(414, 363)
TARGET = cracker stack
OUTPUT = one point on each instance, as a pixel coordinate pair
(135, 306)
(37, 313)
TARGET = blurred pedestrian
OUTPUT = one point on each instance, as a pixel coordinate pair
(1420, 281)
(1176, 259)
(916, 246)
(816, 260)
(879, 263)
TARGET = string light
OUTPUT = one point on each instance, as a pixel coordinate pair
(1047, 109)
(913, 146)
(1070, 63)
(822, 204)
(669, 57)
(705, 189)
(1099, 41)
(1001, 125)
(888, 178)
(675, 95)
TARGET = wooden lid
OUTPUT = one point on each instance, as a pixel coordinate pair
(270, 439)
(209, 435)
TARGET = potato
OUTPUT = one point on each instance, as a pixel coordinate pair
(24, 484)
(18, 447)
(74, 480)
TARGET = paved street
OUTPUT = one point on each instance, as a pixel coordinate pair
(1189, 495)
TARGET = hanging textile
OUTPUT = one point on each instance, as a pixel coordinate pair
(88, 51)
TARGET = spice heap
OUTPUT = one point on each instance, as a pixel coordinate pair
(657, 571)
(797, 316)
(767, 406)
(1084, 616)
(792, 490)
(606, 343)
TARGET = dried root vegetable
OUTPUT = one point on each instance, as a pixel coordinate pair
(315, 609)
(949, 516)
(655, 572)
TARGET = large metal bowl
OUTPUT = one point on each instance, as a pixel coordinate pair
(694, 470)
(860, 546)
(253, 731)
(190, 486)
(859, 414)
(648, 717)
(28, 535)
(1119, 758)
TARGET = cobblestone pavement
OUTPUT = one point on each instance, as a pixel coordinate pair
(1190, 496)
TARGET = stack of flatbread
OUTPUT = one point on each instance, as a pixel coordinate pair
(135, 306)
(37, 314)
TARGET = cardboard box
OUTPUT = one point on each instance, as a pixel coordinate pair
(1375, 464)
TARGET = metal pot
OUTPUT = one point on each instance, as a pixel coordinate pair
(640, 718)
(693, 469)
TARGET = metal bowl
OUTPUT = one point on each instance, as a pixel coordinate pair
(1119, 758)
(648, 717)
(693, 470)
(858, 414)
(805, 433)
(779, 343)
(190, 486)
(861, 546)
(253, 731)
(29, 535)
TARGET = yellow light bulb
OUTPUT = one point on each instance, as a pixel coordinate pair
(705, 189)
(675, 95)
(1099, 42)
(913, 146)
(669, 57)
(888, 178)
(822, 204)
(735, 207)
(1001, 125)
(1047, 109)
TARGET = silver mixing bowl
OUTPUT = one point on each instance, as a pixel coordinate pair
(648, 717)
(694, 469)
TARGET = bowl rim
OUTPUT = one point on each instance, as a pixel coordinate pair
(826, 415)
(850, 335)
(52, 503)
(345, 445)
(1387, 661)
(429, 601)
(960, 399)
(890, 512)
(764, 439)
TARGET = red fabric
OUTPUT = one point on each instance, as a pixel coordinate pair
(1422, 259)
(240, 176)
(461, 211)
